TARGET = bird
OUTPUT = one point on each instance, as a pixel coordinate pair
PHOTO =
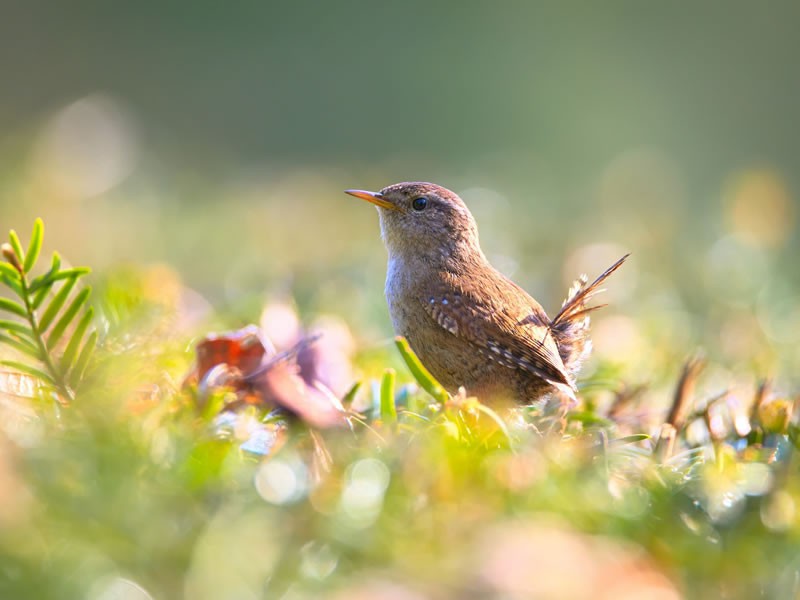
(473, 328)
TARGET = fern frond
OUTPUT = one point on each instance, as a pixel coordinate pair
(8, 270)
(83, 360)
(67, 316)
(21, 345)
(57, 303)
(14, 284)
(15, 327)
(68, 358)
(13, 307)
(16, 245)
(51, 277)
(34, 247)
(29, 370)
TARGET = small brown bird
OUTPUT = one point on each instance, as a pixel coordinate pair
(469, 324)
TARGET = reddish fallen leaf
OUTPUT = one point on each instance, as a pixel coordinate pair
(243, 349)
(245, 362)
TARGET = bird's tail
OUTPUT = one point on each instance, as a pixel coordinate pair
(571, 325)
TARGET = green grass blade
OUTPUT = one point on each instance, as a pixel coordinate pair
(348, 398)
(794, 435)
(589, 418)
(420, 373)
(66, 318)
(388, 408)
(16, 245)
(56, 303)
(29, 370)
(13, 307)
(631, 439)
(83, 359)
(35, 246)
(71, 352)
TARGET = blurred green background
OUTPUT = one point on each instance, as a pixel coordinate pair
(217, 139)
(194, 155)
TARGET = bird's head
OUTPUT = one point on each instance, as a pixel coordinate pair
(423, 219)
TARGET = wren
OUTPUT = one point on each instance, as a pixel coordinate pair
(469, 324)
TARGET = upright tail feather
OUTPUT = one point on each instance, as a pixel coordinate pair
(571, 325)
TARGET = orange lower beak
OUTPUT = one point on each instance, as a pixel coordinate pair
(373, 197)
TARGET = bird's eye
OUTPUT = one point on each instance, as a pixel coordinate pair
(419, 203)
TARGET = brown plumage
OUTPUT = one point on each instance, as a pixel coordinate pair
(469, 324)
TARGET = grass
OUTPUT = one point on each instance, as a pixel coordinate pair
(146, 486)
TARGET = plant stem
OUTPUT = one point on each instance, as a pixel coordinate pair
(63, 388)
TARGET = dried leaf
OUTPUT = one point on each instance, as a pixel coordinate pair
(20, 385)
(242, 349)
(239, 361)
(282, 385)
(29, 370)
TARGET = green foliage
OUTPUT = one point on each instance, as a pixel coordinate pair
(420, 373)
(423, 493)
(388, 410)
(171, 499)
(58, 339)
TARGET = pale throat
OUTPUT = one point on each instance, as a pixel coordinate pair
(430, 246)
(407, 264)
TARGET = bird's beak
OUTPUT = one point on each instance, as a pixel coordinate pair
(373, 197)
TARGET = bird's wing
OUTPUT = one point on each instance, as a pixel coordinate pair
(514, 336)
